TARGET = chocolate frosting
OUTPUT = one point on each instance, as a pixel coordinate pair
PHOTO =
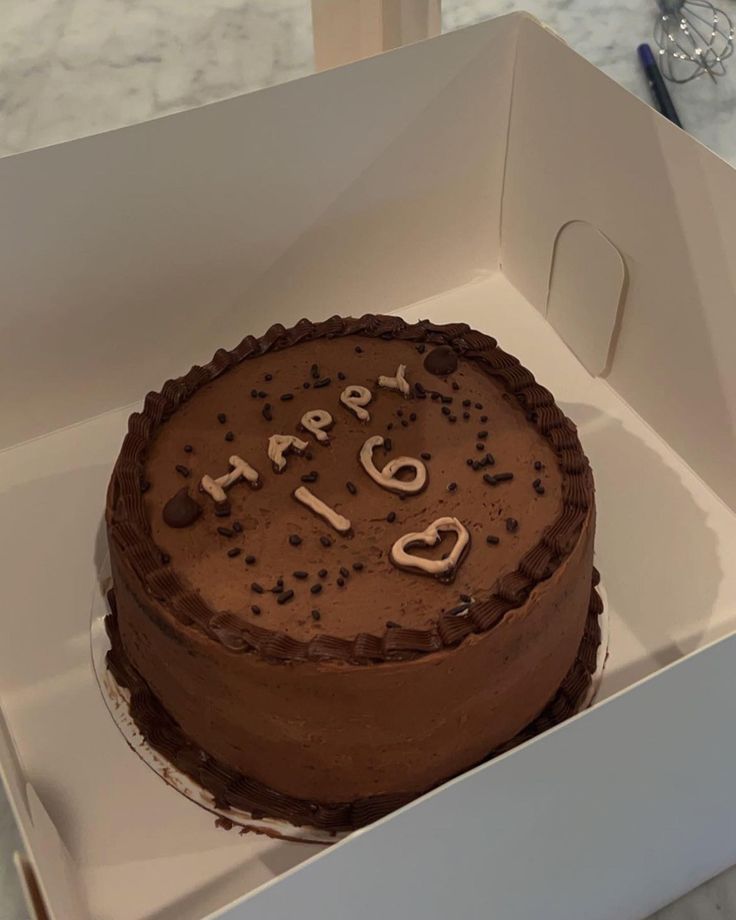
(130, 529)
(232, 789)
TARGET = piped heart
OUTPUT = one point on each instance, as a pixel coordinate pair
(444, 569)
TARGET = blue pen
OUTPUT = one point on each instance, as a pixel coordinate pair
(657, 84)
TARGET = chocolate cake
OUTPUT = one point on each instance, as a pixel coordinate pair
(350, 560)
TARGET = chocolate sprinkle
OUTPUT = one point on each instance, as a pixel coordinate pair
(266, 412)
(314, 371)
(285, 596)
(351, 487)
(466, 403)
(188, 448)
(255, 586)
(499, 477)
(316, 588)
(145, 485)
(358, 350)
(391, 517)
(316, 614)
(322, 573)
(425, 455)
(537, 464)
(312, 476)
(492, 540)
(230, 436)
(341, 376)
(182, 470)
(482, 435)
(412, 416)
(262, 394)
(181, 510)
(480, 445)
(421, 348)
(451, 486)
(479, 405)
(237, 527)
(489, 460)
(512, 525)
(388, 444)
(222, 509)
(341, 582)
(452, 418)
(392, 624)
(268, 378)
(344, 572)
(306, 385)
(165, 558)
(400, 413)
(445, 410)
(325, 541)
(470, 461)
(441, 361)
(404, 423)
(484, 418)
(295, 539)
(285, 397)
(221, 418)
(308, 455)
(234, 551)
(225, 531)
(455, 385)
(254, 393)
(255, 608)
(358, 566)
(250, 560)
(324, 382)
(300, 575)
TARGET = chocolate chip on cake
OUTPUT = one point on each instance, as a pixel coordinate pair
(492, 540)
(441, 361)
(234, 551)
(230, 436)
(255, 608)
(391, 517)
(300, 574)
(285, 596)
(316, 588)
(322, 573)
(250, 559)
(295, 539)
(351, 487)
(425, 455)
(182, 470)
(258, 589)
(181, 510)
(512, 525)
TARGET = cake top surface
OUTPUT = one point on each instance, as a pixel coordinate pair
(486, 466)
(356, 489)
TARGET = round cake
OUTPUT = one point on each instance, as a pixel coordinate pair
(350, 560)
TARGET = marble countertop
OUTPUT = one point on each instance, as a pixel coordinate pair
(69, 68)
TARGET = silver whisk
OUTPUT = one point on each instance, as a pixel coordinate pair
(694, 37)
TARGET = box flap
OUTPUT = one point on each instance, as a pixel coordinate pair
(52, 884)
(582, 148)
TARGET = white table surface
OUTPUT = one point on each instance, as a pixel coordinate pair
(74, 67)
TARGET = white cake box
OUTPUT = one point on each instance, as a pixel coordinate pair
(490, 175)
